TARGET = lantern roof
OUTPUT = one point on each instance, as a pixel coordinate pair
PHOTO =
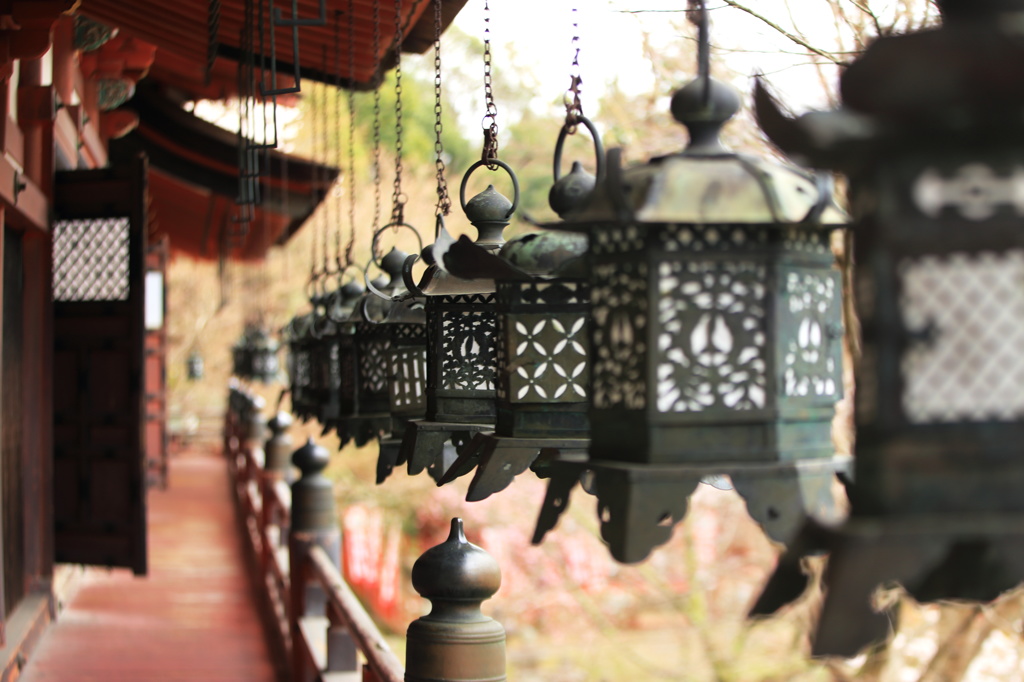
(707, 183)
(546, 253)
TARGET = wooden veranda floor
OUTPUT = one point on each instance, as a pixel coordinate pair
(193, 618)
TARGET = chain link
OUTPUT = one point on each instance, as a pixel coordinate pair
(444, 202)
(351, 134)
(378, 76)
(398, 201)
(337, 138)
(324, 151)
(490, 120)
(573, 105)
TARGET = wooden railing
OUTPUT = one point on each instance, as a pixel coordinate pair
(319, 628)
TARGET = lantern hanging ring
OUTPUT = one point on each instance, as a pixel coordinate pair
(496, 163)
(337, 293)
(395, 227)
(570, 129)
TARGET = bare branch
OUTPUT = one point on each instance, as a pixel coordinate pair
(863, 7)
(795, 38)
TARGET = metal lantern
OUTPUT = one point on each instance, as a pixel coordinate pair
(297, 334)
(407, 378)
(932, 140)
(370, 341)
(323, 370)
(255, 355)
(194, 366)
(461, 327)
(543, 362)
(543, 344)
(715, 313)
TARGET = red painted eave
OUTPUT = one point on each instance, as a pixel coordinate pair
(180, 31)
(194, 183)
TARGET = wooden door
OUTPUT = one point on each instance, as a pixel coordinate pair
(99, 243)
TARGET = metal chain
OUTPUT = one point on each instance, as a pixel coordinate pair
(351, 133)
(444, 202)
(490, 120)
(212, 42)
(398, 201)
(337, 137)
(573, 105)
(378, 76)
(324, 151)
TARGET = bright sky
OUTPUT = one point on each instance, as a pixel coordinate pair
(536, 35)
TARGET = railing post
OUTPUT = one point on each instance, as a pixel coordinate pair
(276, 467)
(279, 447)
(455, 641)
(314, 522)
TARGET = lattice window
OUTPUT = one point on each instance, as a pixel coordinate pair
(373, 365)
(967, 314)
(808, 320)
(548, 358)
(91, 259)
(616, 239)
(408, 370)
(712, 237)
(468, 350)
(711, 340)
(807, 240)
(619, 310)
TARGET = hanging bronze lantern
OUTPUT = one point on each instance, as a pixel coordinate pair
(461, 328)
(195, 366)
(255, 355)
(370, 341)
(932, 141)
(335, 360)
(715, 313)
(543, 344)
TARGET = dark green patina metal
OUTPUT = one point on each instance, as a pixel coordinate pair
(461, 333)
(715, 335)
(455, 641)
(254, 357)
(931, 139)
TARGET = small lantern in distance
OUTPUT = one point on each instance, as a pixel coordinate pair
(195, 366)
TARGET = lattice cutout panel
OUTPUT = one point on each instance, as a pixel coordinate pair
(373, 365)
(619, 310)
(548, 358)
(408, 370)
(711, 339)
(809, 323)
(91, 259)
(967, 311)
(468, 350)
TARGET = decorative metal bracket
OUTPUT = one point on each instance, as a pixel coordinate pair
(498, 460)
(638, 504)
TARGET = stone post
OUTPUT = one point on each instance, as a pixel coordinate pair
(455, 642)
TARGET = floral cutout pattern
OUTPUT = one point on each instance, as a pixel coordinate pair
(619, 310)
(711, 340)
(469, 360)
(549, 358)
(809, 315)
